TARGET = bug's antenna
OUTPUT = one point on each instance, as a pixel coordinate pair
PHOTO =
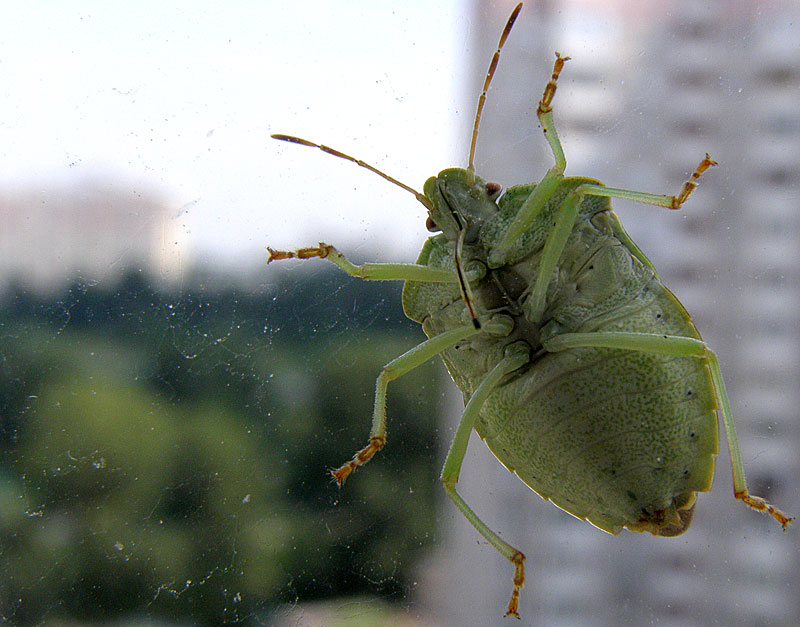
(337, 153)
(489, 74)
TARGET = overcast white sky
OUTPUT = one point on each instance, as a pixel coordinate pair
(184, 95)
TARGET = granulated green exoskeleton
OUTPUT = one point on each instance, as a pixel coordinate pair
(580, 370)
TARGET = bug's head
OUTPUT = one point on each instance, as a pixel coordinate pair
(460, 201)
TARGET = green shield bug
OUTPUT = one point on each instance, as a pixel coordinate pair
(581, 371)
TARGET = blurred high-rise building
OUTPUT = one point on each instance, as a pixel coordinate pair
(644, 98)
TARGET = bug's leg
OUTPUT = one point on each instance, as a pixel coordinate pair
(517, 355)
(544, 189)
(661, 200)
(565, 217)
(394, 369)
(671, 202)
(367, 271)
(565, 220)
(499, 325)
(679, 347)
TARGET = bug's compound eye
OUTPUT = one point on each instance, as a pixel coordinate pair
(493, 190)
(431, 225)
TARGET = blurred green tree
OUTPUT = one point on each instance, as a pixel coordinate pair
(165, 454)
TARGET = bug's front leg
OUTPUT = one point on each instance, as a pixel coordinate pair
(534, 204)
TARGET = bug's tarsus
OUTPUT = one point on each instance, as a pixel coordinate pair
(489, 74)
(545, 114)
(321, 251)
(359, 459)
(338, 153)
(759, 504)
(546, 103)
(519, 581)
(689, 186)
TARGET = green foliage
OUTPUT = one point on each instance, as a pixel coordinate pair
(167, 454)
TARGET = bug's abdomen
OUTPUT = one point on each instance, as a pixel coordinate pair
(620, 438)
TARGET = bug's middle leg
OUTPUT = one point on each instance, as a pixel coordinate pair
(517, 355)
(660, 200)
(366, 271)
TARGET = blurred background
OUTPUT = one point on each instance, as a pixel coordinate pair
(170, 405)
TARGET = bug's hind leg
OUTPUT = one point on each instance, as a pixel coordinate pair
(394, 369)
(499, 326)
(517, 355)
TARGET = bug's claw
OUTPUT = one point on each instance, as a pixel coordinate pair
(376, 443)
(341, 473)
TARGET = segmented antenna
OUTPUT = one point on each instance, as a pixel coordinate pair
(338, 153)
(463, 284)
(489, 74)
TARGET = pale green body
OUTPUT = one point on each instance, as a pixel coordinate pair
(617, 437)
(580, 370)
